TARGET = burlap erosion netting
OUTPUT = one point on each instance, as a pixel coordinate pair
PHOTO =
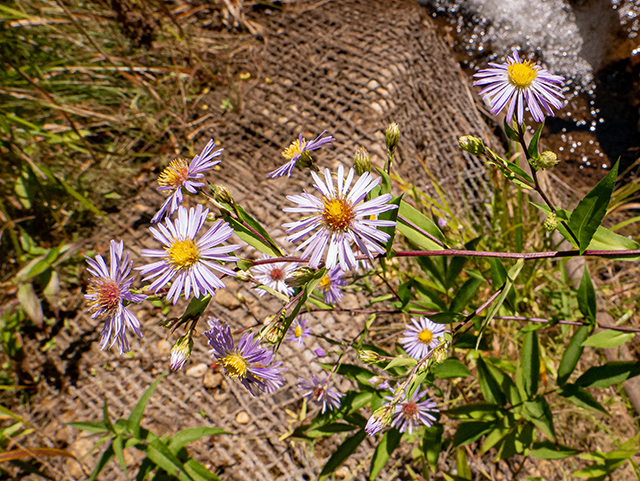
(348, 67)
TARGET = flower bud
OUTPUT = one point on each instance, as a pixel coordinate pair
(181, 351)
(379, 419)
(300, 277)
(221, 194)
(369, 357)
(471, 144)
(361, 161)
(440, 352)
(551, 223)
(391, 136)
(546, 160)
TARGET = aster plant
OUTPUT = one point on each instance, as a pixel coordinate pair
(340, 218)
(189, 263)
(516, 84)
(350, 232)
(109, 287)
(180, 175)
(299, 152)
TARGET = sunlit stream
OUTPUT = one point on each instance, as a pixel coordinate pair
(594, 44)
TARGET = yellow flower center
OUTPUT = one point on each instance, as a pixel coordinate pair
(298, 331)
(337, 214)
(425, 336)
(325, 282)
(183, 253)
(235, 365)
(108, 295)
(174, 175)
(521, 74)
(294, 149)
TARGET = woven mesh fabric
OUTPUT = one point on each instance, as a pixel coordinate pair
(348, 67)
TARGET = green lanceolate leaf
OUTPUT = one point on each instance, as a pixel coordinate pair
(186, 436)
(530, 364)
(432, 444)
(471, 431)
(118, 447)
(385, 447)
(532, 149)
(581, 397)
(342, 453)
(587, 297)
(466, 292)
(412, 224)
(91, 426)
(588, 214)
(135, 418)
(549, 450)
(391, 215)
(539, 413)
(609, 373)
(450, 368)
(159, 453)
(106, 456)
(606, 240)
(572, 354)
(480, 411)
(608, 339)
(489, 385)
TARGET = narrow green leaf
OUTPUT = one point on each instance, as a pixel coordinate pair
(135, 418)
(530, 363)
(118, 447)
(106, 456)
(609, 373)
(588, 214)
(385, 184)
(489, 385)
(462, 465)
(432, 444)
(581, 397)
(605, 240)
(401, 361)
(329, 430)
(511, 133)
(470, 431)
(466, 293)
(358, 374)
(250, 238)
(385, 447)
(572, 354)
(539, 413)
(483, 411)
(499, 429)
(186, 436)
(91, 426)
(587, 297)
(408, 217)
(549, 450)
(342, 453)
(198, 472)
(608, 339)
(532, 149)
(159, 453)
(450, 368)
(259, 229)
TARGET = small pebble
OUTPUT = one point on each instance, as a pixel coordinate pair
(212, 379)
(242, 418)
(198, 370)
(164, 347)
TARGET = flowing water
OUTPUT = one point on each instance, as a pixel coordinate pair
(594, 44)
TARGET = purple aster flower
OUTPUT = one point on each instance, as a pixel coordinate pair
(179, 175)
(274, 276)
(318, 391)
(340, 218)
(299, 148)
(320, 352)
(249, 362)
(410, 414)
(518, 82)
(379, 419)
(191, 262)
(297, 331)
(421, 337)
(108, 288)
(330, 285)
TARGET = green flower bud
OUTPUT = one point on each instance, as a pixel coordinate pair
(440, 353)
(379, 419)
(361, 161)
(546, 160)
(471, 144)
(181, 351)
(221, 194)
(391, 136)
(551, 223)
(300, 277)
(369, 357)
